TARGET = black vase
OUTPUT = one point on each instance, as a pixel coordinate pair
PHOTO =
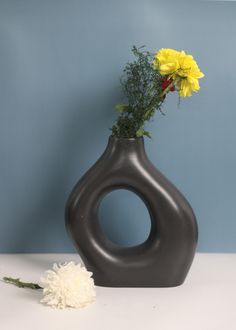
(164, 259)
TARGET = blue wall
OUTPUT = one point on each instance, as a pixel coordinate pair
(60, 63)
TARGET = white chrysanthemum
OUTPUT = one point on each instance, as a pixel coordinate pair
(68, 285)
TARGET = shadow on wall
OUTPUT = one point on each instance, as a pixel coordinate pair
(76, 149)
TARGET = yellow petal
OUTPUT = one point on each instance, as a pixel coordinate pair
(184, 88)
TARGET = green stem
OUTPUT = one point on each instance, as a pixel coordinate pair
(17, 282)
(162, 94)
(167, 89)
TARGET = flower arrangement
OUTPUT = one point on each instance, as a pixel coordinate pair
(146, 83)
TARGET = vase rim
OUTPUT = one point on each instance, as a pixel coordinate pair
(126, 139)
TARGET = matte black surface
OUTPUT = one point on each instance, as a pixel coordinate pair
(164, 259)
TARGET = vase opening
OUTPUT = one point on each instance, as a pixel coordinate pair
(124, 218)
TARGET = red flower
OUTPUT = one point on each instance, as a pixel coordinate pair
(165, 83)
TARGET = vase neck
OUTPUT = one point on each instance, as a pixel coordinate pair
(126, 146)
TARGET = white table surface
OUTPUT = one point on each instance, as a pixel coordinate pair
(206, 301)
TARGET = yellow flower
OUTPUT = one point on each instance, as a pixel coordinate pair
(166, 61)
(181, 67)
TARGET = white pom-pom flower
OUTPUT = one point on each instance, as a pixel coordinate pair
(68, 285)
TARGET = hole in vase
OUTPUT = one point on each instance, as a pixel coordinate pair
(124, 218)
